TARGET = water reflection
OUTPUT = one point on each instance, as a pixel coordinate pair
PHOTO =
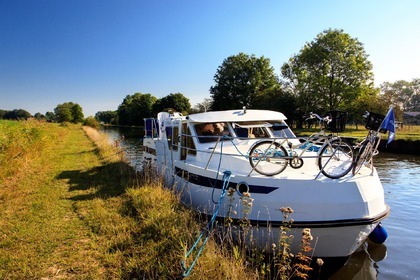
(362, 265)
(130, 141)
(400, 175)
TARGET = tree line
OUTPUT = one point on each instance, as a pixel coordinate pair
(332, 72)
(66, 112)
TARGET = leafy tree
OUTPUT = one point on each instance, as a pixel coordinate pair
(240, 79)
(202, 106)
(369, 100)
(174, 101)
(404, 94)
(277, 99)
(17, 114)
(50, 116)
(39, 116)
(77, 113)
(135, 108)
(329, 72)
(2, 113)
(63, 113)
(109, 117)
(68, 112)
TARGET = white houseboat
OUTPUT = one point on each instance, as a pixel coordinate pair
(256, 154)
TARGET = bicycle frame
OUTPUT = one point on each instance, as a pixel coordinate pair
(374, 138)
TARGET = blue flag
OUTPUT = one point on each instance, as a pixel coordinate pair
(389, 124)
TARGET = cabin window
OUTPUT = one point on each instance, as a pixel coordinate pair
(211, 132)
(256, 129)
(150, 128)
(187, 143)
(175, 135)
(281, 129)
(169, 136)
(258, 132)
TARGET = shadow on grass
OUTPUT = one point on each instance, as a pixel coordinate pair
(104, 181)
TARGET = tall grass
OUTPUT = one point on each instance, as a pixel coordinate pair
(162, 230)
(19, 141)
(73, 208)
(152, 245)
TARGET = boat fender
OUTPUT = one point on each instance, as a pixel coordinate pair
(379, 234)
(242, 187)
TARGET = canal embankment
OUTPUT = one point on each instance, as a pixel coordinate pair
(73, 208)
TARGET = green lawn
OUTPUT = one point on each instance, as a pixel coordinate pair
(408, 132)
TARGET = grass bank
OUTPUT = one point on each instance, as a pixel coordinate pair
(407, 133)
(72, 208)
(407, 138)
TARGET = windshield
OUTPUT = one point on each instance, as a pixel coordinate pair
(211, 132)
(282, 130)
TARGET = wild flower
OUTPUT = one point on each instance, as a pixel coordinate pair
(319, 262)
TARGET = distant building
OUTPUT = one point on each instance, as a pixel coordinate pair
(411, 118)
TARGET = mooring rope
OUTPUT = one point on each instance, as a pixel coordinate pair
(205, 233)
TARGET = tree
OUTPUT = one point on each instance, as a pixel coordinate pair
(202, 106)
(69, 112)
(108, 117)
(174, 101)
(277, 99)
(17, 114)
(50, 116)
(39, 116)
(329, 72)
(135, 108)
(403, 94)
(239, 80)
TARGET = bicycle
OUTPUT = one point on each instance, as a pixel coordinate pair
(368, 148)
(334, 155)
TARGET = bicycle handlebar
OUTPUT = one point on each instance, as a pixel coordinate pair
(326, 119)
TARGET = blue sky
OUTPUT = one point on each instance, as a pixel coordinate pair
(95, 52)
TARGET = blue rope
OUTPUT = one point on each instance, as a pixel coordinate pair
(206, 232)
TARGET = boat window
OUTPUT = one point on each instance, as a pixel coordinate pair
(211, 132)
(258, 132)
(281, 129)
(168, 130)
(252, 129)
(175, 138)
(151, 126)
(187, 143)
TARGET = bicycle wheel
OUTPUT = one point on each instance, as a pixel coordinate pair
(268, 158)
(335, 158)
(364, 155)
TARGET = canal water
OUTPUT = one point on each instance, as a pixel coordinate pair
(399, 257)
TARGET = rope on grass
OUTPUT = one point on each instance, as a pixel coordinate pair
(205, 233)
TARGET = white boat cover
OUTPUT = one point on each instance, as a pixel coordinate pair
(237, 116)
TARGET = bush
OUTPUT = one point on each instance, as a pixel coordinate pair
(92, 122)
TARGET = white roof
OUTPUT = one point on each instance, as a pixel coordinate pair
(237, 116)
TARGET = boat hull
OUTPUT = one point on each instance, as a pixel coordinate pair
(337, 241)
(337, 230)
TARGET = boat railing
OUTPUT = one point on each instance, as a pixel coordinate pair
(151, 127)
(218, 140)
(278, 151)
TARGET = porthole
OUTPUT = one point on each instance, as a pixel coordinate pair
(241, 188)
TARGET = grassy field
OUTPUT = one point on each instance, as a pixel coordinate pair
(73, 209)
